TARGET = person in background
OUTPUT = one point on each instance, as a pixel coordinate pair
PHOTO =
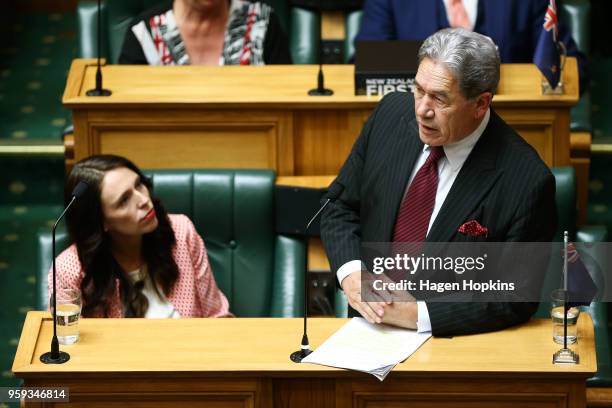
(206, 32)
(129, 258)
(514, 26)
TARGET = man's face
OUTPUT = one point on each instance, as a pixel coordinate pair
(443, 114)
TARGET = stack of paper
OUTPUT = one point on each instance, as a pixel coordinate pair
(371, 348)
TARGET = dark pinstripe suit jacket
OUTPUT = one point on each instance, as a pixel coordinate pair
(503, 184)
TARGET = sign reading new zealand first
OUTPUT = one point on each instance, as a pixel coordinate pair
(385, 66)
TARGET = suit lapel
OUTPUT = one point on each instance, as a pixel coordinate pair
(406, 150)
(474, 181)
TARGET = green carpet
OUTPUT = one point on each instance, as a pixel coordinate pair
(35, 56)
(600, 186)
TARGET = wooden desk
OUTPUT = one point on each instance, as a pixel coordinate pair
(245, 363)
(261, 116)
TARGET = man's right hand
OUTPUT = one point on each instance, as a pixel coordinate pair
(373, 312)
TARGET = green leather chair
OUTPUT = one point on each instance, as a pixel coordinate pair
(301, 26)
(260, 272)
(565, 198)
(576, 14)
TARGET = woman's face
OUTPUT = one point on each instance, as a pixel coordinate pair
(126, 204)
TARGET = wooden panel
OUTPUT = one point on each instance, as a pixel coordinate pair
(540, 138)
(131, 391)
(211, 146)
(317, 258)
(304, 393)
(538, 128)
(323, 139)
(161, 400)
(332, 25)
(599, 397)
(457, 392)
(189, 138)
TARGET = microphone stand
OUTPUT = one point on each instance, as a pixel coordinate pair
(334, 192)
(305, 350)
(320, 90)
(99, 90)
(55, 356)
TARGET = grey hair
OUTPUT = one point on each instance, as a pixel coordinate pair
(471, 57)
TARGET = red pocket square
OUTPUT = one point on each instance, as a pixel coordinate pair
(474, 229)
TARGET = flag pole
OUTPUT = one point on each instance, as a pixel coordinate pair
(565, 355)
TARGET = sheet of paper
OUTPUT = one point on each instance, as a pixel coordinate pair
(366, 347)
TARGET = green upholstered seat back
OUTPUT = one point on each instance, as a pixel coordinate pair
(576, 15)
(304, 36)
(234, 212)
(565, 198)
(352, 22)
(116, 17)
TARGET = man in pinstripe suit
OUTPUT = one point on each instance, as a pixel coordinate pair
(483, 172)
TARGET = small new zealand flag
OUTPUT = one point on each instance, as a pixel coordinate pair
(546, 55)
(582, 290)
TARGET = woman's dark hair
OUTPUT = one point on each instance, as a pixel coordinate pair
(85, 223)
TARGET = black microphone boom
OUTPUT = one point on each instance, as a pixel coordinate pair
(99, 90)
(55, 356)
(332, 194)
(320, 90)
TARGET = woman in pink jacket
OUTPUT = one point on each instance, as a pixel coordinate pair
(129, 258)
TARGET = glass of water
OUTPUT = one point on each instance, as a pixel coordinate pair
(68, 314)
(557, 305)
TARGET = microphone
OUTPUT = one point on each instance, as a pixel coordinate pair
(320, 90)
(333, 193)
(55, 356)
(99, 90)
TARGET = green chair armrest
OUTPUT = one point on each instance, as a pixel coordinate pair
(341, 304)
(575, 14)
(87, 21)
(352, 23)
(598, 310)
(304, 36)
(592, 233)
(44, 258)
(603, 377)
(581, 115)
(288, 282)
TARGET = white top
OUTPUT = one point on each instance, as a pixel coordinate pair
(471, 8)
(159, 308)
(455, 155)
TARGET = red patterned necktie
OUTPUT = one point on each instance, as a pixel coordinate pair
(418, 204)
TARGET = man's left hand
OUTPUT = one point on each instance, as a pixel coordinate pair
(401, 314)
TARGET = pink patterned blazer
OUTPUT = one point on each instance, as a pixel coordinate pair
(195, 292)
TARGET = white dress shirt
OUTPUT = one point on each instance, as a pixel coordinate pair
(455, 155)
(471, 8)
